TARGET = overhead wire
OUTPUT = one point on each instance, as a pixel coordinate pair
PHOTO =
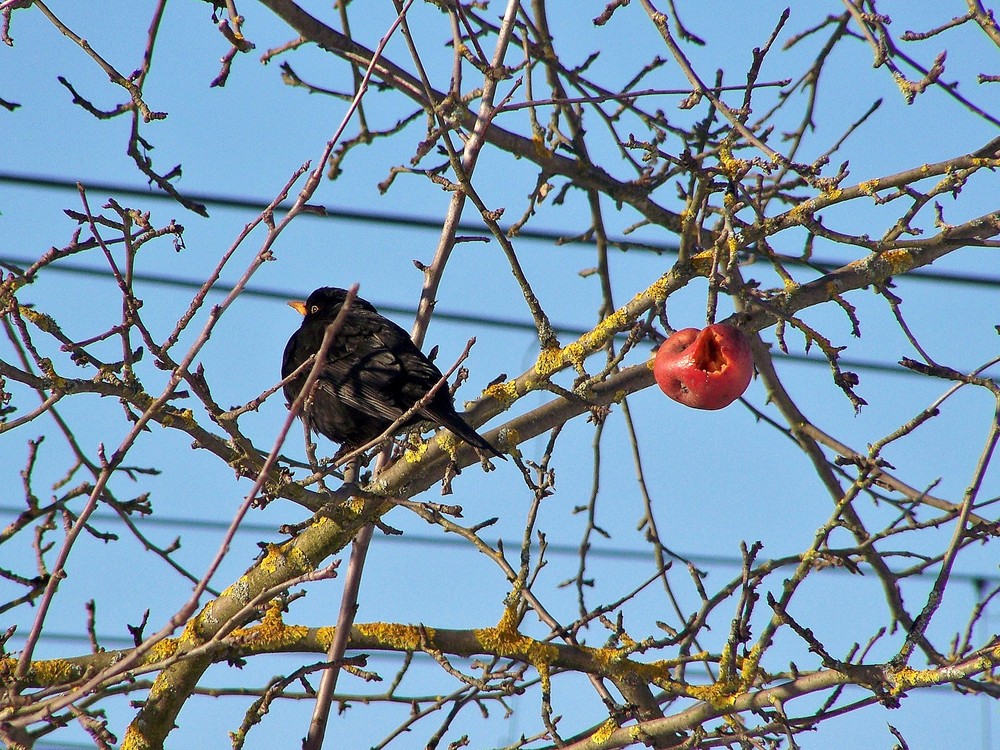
(554, 548)
(479, 319)
(977, 581)
(419, 222)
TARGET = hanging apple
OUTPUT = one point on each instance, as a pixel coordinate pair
(706, 369)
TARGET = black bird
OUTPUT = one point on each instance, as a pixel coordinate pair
(372, 375)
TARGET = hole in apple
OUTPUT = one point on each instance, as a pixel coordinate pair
(708, 355)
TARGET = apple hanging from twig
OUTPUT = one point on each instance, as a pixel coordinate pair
(706, 369)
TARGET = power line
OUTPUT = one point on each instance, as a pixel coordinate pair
(555, 548)
(419, 222)
(329, 212)
(121, 642)
(451, 317)
(250, 527)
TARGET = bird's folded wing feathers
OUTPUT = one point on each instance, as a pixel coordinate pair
(366, 388)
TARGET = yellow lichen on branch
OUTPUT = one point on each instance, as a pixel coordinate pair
(505, 640)
(272, 634)
(505, 393)
(43, 673)
(286, 558)
(718, 695)
(396, 635)
(414, 453)
(905, 678)
(703, 262)
(449, 443)
(604, 732)
(899, 260)
(553, 359)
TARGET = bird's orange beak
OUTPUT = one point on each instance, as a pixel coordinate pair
(298, 305)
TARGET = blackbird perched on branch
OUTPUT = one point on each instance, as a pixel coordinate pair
(373, 374)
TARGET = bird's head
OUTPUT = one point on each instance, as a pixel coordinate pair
(326, 302)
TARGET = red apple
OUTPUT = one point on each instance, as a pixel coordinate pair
(706, 369)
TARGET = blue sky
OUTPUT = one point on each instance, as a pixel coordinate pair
(717, 478)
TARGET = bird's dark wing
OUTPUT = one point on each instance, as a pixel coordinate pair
(367, 391)
(377, 369)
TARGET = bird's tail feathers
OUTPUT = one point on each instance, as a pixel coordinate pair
(474, 439)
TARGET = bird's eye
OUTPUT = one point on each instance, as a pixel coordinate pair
(314, 309)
